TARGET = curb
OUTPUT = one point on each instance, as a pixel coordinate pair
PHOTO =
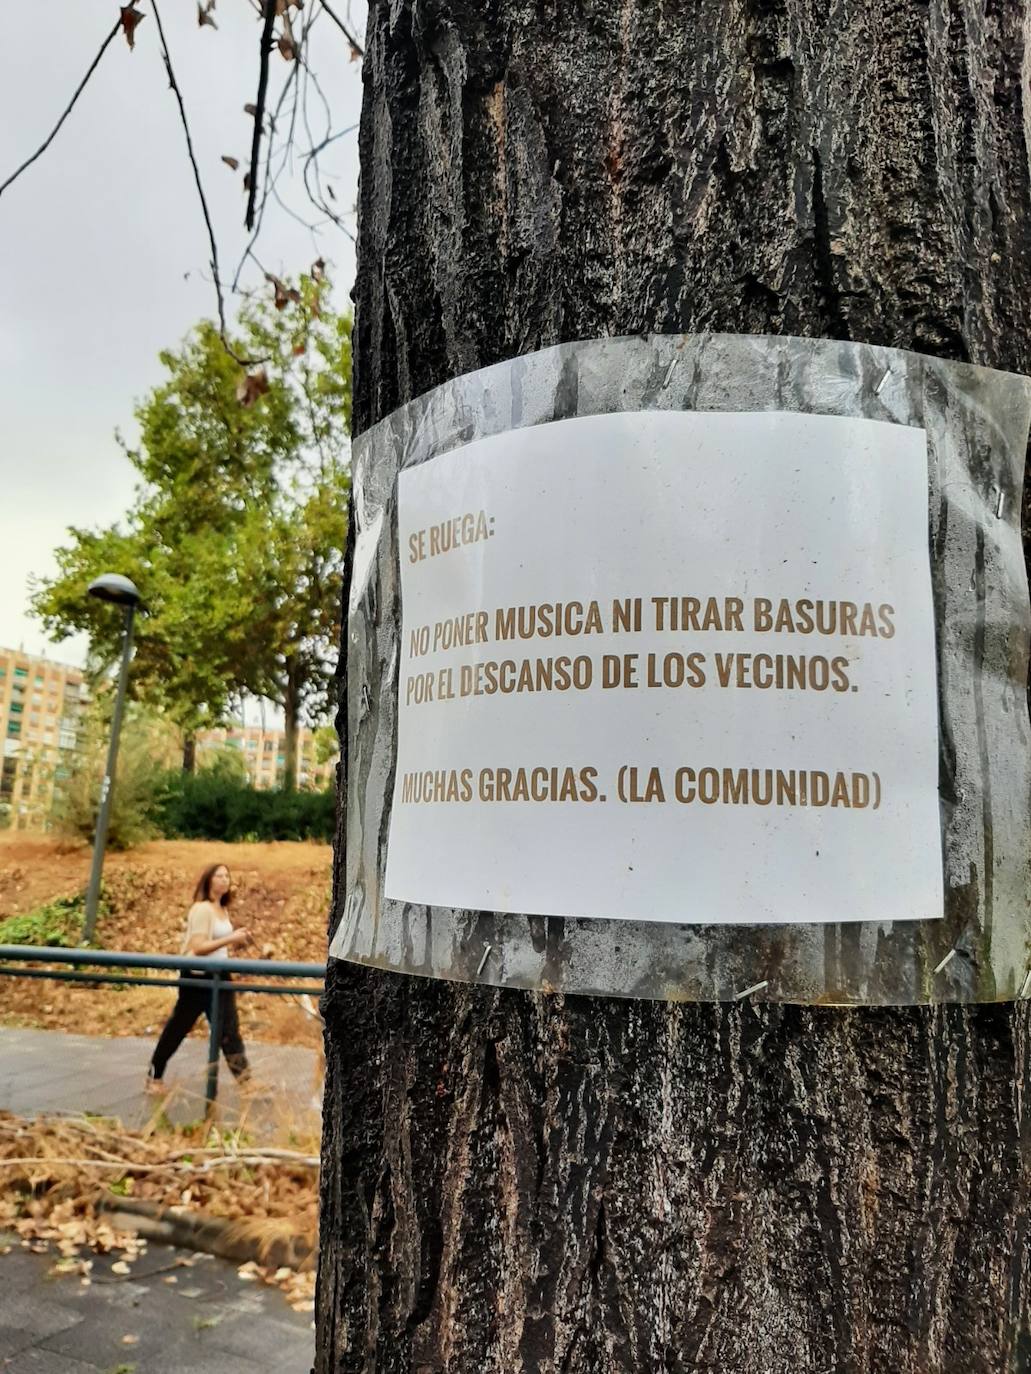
(210, 1235)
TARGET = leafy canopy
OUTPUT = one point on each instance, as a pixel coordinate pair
(237, 532)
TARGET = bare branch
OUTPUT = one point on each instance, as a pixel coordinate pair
(259, 109)
(67, 110)
(316, 196)
(269, 181)
(344, 30)
(222, 326)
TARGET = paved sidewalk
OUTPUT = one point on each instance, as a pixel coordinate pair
(50, 1071)
(208, 1321)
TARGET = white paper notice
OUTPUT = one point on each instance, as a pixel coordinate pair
(672, 667)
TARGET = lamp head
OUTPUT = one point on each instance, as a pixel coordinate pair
(115, 588)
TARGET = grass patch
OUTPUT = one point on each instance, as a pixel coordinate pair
(57, 924)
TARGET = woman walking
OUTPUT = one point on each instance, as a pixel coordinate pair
(210, 934)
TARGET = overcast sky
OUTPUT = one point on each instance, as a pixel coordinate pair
(104, 249)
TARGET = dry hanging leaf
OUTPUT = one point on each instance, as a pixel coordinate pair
(251, 386)
(318, 269)
(299, 348)
(252, 110)
(287, 47)
(246, 181)
(230, 161)
(330, 192)
(130, 18)
(204, 16)
(284, 294)
(356, 54)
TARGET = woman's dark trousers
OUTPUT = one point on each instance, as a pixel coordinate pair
(192, 1004)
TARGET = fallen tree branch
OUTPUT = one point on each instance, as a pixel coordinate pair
(126, 1166)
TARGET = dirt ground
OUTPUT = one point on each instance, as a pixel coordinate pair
(282, 895)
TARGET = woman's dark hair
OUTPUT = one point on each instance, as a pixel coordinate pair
(202, 892)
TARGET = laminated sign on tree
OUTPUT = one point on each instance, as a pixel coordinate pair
(708, 676)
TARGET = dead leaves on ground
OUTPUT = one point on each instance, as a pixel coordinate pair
(61, 1171)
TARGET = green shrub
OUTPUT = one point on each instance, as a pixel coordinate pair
(57, 923)
(212, 805)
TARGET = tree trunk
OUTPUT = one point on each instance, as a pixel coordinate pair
(189, 752)
(291, 712)
(522, 1184)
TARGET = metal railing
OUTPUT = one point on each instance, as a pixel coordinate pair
(91, 963)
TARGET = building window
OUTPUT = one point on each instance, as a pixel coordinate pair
(14, 727)
(21, 672)
(16, 708)
(268, 746)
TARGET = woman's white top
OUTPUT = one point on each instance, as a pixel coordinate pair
(206, 922)
(220, 928)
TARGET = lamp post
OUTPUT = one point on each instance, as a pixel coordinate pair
(121, 592)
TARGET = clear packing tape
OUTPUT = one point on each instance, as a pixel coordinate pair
(976, 422)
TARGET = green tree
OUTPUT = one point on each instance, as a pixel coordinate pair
(327, 744)
(236, 535)
(148, 744)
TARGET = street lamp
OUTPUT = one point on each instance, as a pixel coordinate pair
(119, 591)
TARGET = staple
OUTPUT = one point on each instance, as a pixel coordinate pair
(483, 961)
(756, 987)
(948, 958)
(1025, 991)
(669, 374)
(880, 384)
(1000, 504)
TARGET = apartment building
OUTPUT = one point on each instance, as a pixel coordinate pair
(263, 751)
(41, 705)
(41, 708)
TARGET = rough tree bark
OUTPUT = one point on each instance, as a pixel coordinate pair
(528, 1184)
